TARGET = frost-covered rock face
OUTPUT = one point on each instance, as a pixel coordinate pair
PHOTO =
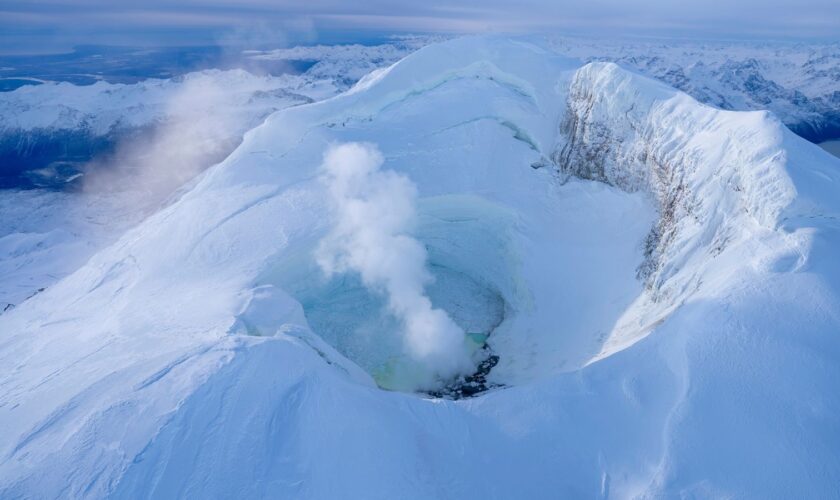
(641, 136)
(657, 279)
(797, 81)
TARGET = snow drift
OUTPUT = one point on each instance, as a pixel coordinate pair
(656, 277)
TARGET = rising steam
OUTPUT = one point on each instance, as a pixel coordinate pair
(202, 125)
(374, 209)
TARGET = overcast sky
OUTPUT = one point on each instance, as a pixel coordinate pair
(48, 25)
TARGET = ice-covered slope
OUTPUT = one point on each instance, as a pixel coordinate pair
(660, 278)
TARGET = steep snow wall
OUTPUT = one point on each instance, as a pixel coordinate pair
(717, 177)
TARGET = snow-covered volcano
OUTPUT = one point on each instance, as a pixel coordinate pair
(657, 279)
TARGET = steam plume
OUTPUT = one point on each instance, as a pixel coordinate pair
(374, 210)
(201, 127)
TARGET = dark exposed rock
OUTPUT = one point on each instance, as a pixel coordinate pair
(471, 385)
(591, 150)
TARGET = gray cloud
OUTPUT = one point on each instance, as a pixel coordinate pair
(199, 21)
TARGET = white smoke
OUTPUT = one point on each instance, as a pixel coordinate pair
(374, 211)
(202, 125)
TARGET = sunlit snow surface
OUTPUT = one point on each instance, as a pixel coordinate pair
(666, 273)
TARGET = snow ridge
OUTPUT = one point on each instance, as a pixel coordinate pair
(796, 81)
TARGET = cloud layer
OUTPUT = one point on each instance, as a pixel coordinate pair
(158, 22)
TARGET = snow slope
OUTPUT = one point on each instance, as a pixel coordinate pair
(46, 235)
(52, 135)
(661, 277)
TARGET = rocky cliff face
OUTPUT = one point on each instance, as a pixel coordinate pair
(694, 161)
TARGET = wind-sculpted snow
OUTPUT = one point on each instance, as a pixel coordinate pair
(657, 278)
(46, 235)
